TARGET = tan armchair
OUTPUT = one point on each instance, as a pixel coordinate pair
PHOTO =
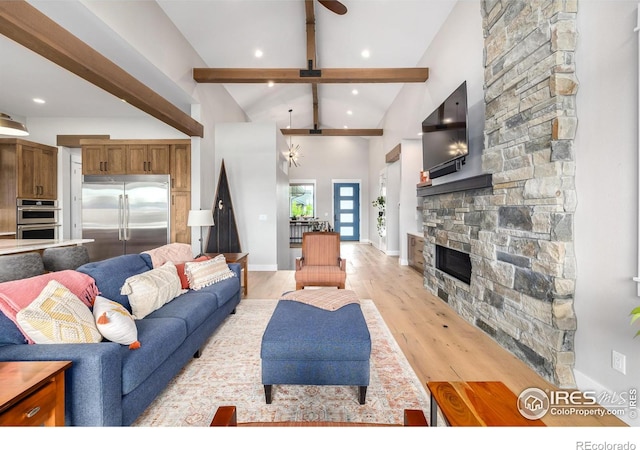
(320, 264)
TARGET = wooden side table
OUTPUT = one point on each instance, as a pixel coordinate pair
(240, 258)
(476, 403)
(32, 393)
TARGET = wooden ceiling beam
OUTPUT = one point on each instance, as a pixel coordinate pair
(354, 75)
(311, 57)
(27, 26)
(332, 132)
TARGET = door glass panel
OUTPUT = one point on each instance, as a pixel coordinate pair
(346, 204)
(346, 231)
(346, 218)
(346, 191)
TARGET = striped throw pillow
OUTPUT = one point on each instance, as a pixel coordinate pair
(206, 273)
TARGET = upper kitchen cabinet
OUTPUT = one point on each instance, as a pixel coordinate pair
(181, 167)
(106, 159)
(125, 157)
(29, 170)
(148, 159)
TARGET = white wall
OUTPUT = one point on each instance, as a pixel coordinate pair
(455, 55)
(606, 218)
(409, 217)
(250, 155)
(330, 158)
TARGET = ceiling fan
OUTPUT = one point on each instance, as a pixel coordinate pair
(334, 6)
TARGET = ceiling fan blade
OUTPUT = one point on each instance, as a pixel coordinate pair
(334, 5)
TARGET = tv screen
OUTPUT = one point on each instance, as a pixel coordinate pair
(445, 135)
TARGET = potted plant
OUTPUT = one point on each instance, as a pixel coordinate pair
(379, 203)
(635, 315)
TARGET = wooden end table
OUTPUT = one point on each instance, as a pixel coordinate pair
(32, 393)
(239, 258)
(476, 403)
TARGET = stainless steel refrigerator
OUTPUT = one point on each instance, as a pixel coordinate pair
(125, 214)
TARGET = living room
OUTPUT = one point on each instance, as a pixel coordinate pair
(599, 256)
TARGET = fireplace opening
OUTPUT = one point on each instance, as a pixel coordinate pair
(455, 263)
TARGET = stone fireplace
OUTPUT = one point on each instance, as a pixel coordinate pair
(518, 228)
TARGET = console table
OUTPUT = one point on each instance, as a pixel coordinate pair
(32, 393)
(476, 403)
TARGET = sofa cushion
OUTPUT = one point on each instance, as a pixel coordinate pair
(159, 338)
(206, 273)
(58, 316)
(110, 274)
(150, 290)
(224, 290)
(115, 323)
(193, 307)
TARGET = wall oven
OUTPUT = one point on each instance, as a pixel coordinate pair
(37, 219)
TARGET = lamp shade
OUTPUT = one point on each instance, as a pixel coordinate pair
(200, 218)
(10, 127)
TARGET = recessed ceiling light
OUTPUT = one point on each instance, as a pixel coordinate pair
(365, 53)
(270, 84)
(39, 100)
(350, 112)
(354, 92)
(258, 53)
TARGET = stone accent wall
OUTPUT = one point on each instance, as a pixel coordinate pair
(520, 233)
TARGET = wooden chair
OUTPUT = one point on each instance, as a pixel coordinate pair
(226, 417)
(320, 264)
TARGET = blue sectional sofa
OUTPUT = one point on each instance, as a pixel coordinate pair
(110, 385)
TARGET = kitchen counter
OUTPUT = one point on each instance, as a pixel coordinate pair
(11, 246)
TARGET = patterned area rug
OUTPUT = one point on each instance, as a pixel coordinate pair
(228, 373)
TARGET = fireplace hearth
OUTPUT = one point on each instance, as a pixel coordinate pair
(453, 262)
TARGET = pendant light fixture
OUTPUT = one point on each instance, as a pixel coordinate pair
(294, 152)
(10, 127)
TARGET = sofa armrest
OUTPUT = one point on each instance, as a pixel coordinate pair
(93, 383)
(236, 268)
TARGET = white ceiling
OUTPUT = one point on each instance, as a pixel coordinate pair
(226, 34)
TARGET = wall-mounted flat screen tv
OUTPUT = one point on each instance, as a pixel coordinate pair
(445, 135)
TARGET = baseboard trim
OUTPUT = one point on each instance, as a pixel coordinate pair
(262, 267)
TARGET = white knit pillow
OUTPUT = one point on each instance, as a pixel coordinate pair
(206, 273)
(150, 290)
(115, 322)
(58, 316)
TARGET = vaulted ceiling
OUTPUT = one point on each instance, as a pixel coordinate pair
(227, 34)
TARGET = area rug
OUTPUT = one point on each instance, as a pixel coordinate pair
(228, 373)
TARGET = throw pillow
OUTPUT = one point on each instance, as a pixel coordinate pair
(115, 323)
(206, 273)
(150, 290)
(184, 281)
(175, 252)
(58, 316)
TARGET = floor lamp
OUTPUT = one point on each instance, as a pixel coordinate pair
(200, 218)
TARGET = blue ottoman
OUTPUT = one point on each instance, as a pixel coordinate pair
(307, 345)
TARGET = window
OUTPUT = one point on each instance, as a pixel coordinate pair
(302, 200)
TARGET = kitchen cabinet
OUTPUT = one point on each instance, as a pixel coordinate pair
(415, 246)
(181, 167)
(108, 159)
(37, 171)
(180, 206)
(148, 159)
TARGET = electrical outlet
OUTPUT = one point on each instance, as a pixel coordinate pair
(619, 362)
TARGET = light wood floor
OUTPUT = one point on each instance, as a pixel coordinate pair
(439, 344)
